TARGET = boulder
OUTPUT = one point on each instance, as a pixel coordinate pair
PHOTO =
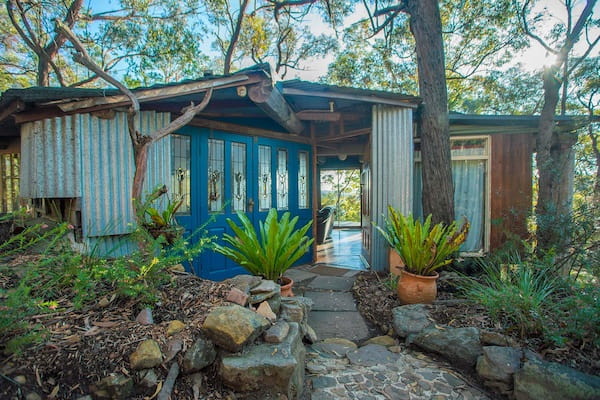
(411, 319)
(461, 345)
(114, 386)
(200, 355)
(336, 347)
(268, 368)
(277, 332)
(147, 355)
(499, 363)
(370, 355)
(231, 327)
(243, 282)
(539, 379)
(174, 327)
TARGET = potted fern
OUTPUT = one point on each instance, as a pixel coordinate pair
(271, 251)
(423, 248)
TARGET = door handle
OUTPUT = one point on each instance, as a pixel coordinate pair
(250, 205)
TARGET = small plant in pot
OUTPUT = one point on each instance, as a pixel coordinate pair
(271, 251)
(424, 248)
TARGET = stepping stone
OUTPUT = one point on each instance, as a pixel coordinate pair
(337, 347)
(332, 301)
(336, 283)
(299, 276)
(346, 324)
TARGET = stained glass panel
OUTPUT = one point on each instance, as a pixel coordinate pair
(216, 165)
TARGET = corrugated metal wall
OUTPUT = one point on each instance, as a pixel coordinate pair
(392, 171)
(91, 158)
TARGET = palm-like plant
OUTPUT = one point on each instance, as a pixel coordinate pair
(276, 247)
(423, 248)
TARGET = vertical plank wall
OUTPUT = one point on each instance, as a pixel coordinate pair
(391, 171)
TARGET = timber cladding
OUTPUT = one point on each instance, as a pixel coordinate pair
(511, 186)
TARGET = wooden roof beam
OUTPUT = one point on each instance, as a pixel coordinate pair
(345, 135)
(14, 107)
(272, 102)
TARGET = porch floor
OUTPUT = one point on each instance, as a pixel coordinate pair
(343, 250)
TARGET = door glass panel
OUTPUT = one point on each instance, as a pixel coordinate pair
(264, 177)
(238, 176)
(216, 164)
(180, 171)
(282, 179)
(303, 179)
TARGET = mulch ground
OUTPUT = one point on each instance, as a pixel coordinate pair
(376, 300)
(85, 346)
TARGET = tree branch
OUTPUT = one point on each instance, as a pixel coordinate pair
(531, 34)
(578, 60)
(32, 42)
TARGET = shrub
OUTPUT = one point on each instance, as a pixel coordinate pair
(578, 318)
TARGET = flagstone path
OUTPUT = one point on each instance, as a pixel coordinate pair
(345, 365)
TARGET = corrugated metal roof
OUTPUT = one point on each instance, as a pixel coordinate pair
(320, 87)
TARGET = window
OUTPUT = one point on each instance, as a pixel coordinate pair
(303, 180)
(282, 179)
(216, 166)
(238, 176)
(264, 178)
(180, 171)
(470, 163)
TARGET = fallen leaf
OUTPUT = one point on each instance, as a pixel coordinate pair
(54, 392)
(106, 324)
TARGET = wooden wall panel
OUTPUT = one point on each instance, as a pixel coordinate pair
(511, 180)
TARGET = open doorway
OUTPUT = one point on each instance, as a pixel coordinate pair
(339, 234)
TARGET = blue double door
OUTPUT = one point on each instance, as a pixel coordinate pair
(232, 173)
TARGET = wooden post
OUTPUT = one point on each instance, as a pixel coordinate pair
(315, 186)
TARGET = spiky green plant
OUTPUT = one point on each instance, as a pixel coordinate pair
(423, 248)
(276, 247)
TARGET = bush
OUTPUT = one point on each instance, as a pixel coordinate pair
(578, 319)
(517, 294)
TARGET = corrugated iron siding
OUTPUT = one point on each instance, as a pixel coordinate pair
(50, 155)
(91, 158)
(392, 171)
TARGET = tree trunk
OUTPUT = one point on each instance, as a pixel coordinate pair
(555, 162)
(235, 36)
(433, 124)
(43, 71)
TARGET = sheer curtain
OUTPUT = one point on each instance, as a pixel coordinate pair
(469, 195)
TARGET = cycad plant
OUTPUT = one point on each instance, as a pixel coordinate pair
(423, 248)
(271, 251)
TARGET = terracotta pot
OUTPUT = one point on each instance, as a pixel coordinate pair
(417, 289)
(286, 286)
(395, 262)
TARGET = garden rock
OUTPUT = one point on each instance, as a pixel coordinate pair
(309, 334)
(499, 363)
(148, 379)
(33, 396)
(277, 332)
(243, 282)
(411, 319)
(264, 309)
(174, 346)
(497, 339)
(147, 355)
(265, 290)
(275, 302)
(385, 340)
(337, 347)
(370, 355)
(174, 327)
(145, 317)
(236, 296)
(114, 386)
(461, 345)
(200, 355)
(539, 379)
(268, 368)
(231, 327)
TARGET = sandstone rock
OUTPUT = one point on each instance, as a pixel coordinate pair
(499, 363)
(497, 339)
(148, 379)
(147, 355)
(231, 327)
(461, 345)
(411, 319)
(114, 386)
(268, 368)
(174, 327)
(292, 312)
(277, 332)
(264, 309)
(395, 349)
(370, 355)
(265, 286)
(237, 296)
(200, 355)
(385, 340)
(174, 346)
(244, 282)
(145, 317)
(539, 379)
(337, 347)
(309, 334)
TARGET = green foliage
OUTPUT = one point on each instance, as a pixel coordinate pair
(517, 293)
(159, 220)
(345, 193)
(271, 252)
(579, 317)
(423, 248)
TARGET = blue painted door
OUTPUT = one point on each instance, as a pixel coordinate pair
(231, 173)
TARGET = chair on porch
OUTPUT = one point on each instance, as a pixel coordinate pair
(325, 218)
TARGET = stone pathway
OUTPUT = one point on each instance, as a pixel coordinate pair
(380, 368)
